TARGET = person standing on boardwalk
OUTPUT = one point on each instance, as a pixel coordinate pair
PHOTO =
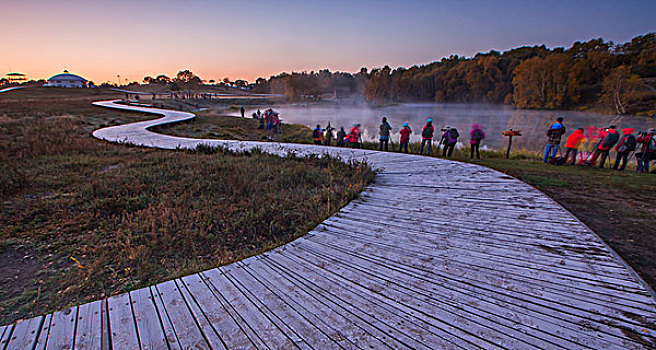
(476, 135)
(341, 135)
(242, 110)
(572, 145)
(405, 138)
(328, 134)
(384, 134)
(626, 145)
(316, 135)
(427, 136)
(555, 133)
(450, 138)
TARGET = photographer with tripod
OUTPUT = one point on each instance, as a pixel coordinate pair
(648, 152)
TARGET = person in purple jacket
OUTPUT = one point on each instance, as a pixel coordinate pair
(450, 138)
(476, 135)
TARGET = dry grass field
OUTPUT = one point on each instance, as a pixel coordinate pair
(81, 219)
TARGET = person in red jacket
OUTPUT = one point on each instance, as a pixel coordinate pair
(354, 136)
(405, 138)
(572, 145)
(427, 136)
(608, 140)
(648, 152)
(626, 145)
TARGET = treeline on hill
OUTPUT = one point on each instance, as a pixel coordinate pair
(588, 74)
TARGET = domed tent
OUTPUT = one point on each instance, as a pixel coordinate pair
(67, 80)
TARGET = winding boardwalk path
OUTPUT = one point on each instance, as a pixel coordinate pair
(434, 255)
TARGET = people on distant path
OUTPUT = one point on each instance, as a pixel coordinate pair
(353, 137)
(572, 144)
(476, 135)
(317, 135)
(276, 122)
(405, 138)
(259, 114)
(341, 135)
(450, 138)
(384, 134)
(555, 133)
(242, 110)
(427, 136)
(648, 151)
(268, 119)
(328, 134)
(609, 138)
(626, 145)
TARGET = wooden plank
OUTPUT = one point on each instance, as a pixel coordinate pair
(211, 335)
(282, 325)
(395, 324)
(42, 339)
(104, 325)
(336, 322)
(89, 323)
(186, 328)
(213, 308)
(25, 334)
(266, 330)
(151, 334)
(124, 333)
(574, 281)
(452, 310)
(167, 327)
(281, 311)
(477, 302)
(62, 329)
(6, 335)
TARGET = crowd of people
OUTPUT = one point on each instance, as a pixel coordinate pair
(449, 137)
(269, 120)
(595, 144)
(591, 146)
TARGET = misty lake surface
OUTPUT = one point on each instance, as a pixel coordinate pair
(493, 118)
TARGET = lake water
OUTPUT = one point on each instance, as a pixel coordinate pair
(493, 118)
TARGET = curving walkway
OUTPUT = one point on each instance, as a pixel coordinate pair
(434, 255)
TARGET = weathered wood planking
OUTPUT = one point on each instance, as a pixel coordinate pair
(435, 254)
(24, 334)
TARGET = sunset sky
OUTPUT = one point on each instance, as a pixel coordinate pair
(247, 39)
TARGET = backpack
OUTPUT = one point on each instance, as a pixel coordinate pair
(628, 145)
(384, 129)
(453, 134)
(478, 135)
(610, 140)
(557, 161)
(651, 146)
(316, 134)
(426, 132)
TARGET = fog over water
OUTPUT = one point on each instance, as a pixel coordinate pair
(493, 118)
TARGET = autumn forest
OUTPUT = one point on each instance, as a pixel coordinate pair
(589, 75)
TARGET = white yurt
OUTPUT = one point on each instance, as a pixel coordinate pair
(67, 80)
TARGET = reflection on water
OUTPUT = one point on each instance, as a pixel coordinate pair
(494, 119)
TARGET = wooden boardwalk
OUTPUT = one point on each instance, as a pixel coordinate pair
(434, 255)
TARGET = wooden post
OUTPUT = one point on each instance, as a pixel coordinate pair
(510, 133)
